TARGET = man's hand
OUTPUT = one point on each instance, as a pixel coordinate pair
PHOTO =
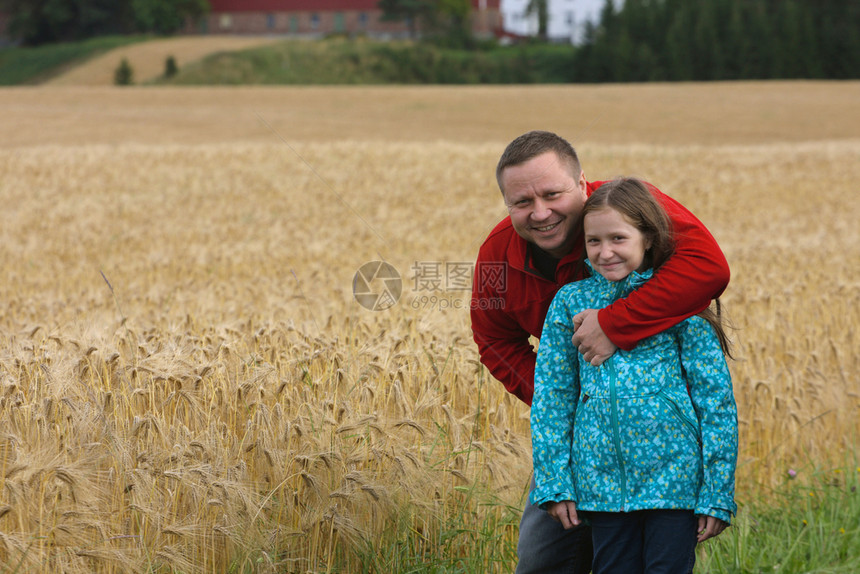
(709, 526)
(564, 512)
(589, 338)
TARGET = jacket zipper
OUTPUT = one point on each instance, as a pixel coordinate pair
(691, 426)
(616, 433)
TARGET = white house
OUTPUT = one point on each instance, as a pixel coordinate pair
(567, 18)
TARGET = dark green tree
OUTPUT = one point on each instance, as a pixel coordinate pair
(124, 74)
(35, 22)
(45, 21)
(838, 36)
(637, 18)
(733, 37)
(622, 57)
(722, 39)
(797, 49)
(449, 24)
(166, 16)
(170, 67)
(413, 12)
(759, 43)
(608, 19)
(598, 55)
(680, 63)
(539, 8)
(706, 45)
(584, 60)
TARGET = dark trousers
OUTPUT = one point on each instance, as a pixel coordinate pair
(644, 542)
(545, 547)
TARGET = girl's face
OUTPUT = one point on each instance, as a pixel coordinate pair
(614, 246)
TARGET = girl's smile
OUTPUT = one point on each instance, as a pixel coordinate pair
(614, 246)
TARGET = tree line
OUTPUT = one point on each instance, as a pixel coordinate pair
(680, 40)
(37, 22)
(635, 40)
(684, 40)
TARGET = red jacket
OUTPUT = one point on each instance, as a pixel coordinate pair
(510, 299)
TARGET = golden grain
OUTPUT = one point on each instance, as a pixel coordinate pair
(228, 380)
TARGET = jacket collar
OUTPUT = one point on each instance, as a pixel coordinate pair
(623, 287)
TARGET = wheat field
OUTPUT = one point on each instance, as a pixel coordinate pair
(187, 383)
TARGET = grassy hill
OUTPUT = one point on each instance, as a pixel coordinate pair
(36, 65)
(214, 60)
(361, 61)
(148, 59)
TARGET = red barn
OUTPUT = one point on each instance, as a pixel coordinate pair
(321, 17)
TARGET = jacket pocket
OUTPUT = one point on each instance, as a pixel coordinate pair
(691, 426)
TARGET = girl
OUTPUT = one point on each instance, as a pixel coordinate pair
(643, 446)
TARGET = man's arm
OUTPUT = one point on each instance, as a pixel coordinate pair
(497, 327)
(503, 346)
(696, 273)
(589, 338)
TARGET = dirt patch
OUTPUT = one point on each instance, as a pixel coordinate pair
(147, 58)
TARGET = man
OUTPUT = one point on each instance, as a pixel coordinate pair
(522, 264)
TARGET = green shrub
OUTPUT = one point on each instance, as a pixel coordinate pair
(124, 74)
(170, 67)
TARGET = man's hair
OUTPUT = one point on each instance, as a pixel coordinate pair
(532, 144)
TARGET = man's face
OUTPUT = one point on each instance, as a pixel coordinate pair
(545, 202)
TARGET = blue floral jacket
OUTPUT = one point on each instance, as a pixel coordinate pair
(655, 427)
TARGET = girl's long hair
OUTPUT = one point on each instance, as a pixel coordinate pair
(631, 198)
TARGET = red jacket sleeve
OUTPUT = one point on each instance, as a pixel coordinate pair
(503, 344)
(696, 273)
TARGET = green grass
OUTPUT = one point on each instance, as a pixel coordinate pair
(362, 61)
(809, 524)
(475, 533)
(34, 65)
